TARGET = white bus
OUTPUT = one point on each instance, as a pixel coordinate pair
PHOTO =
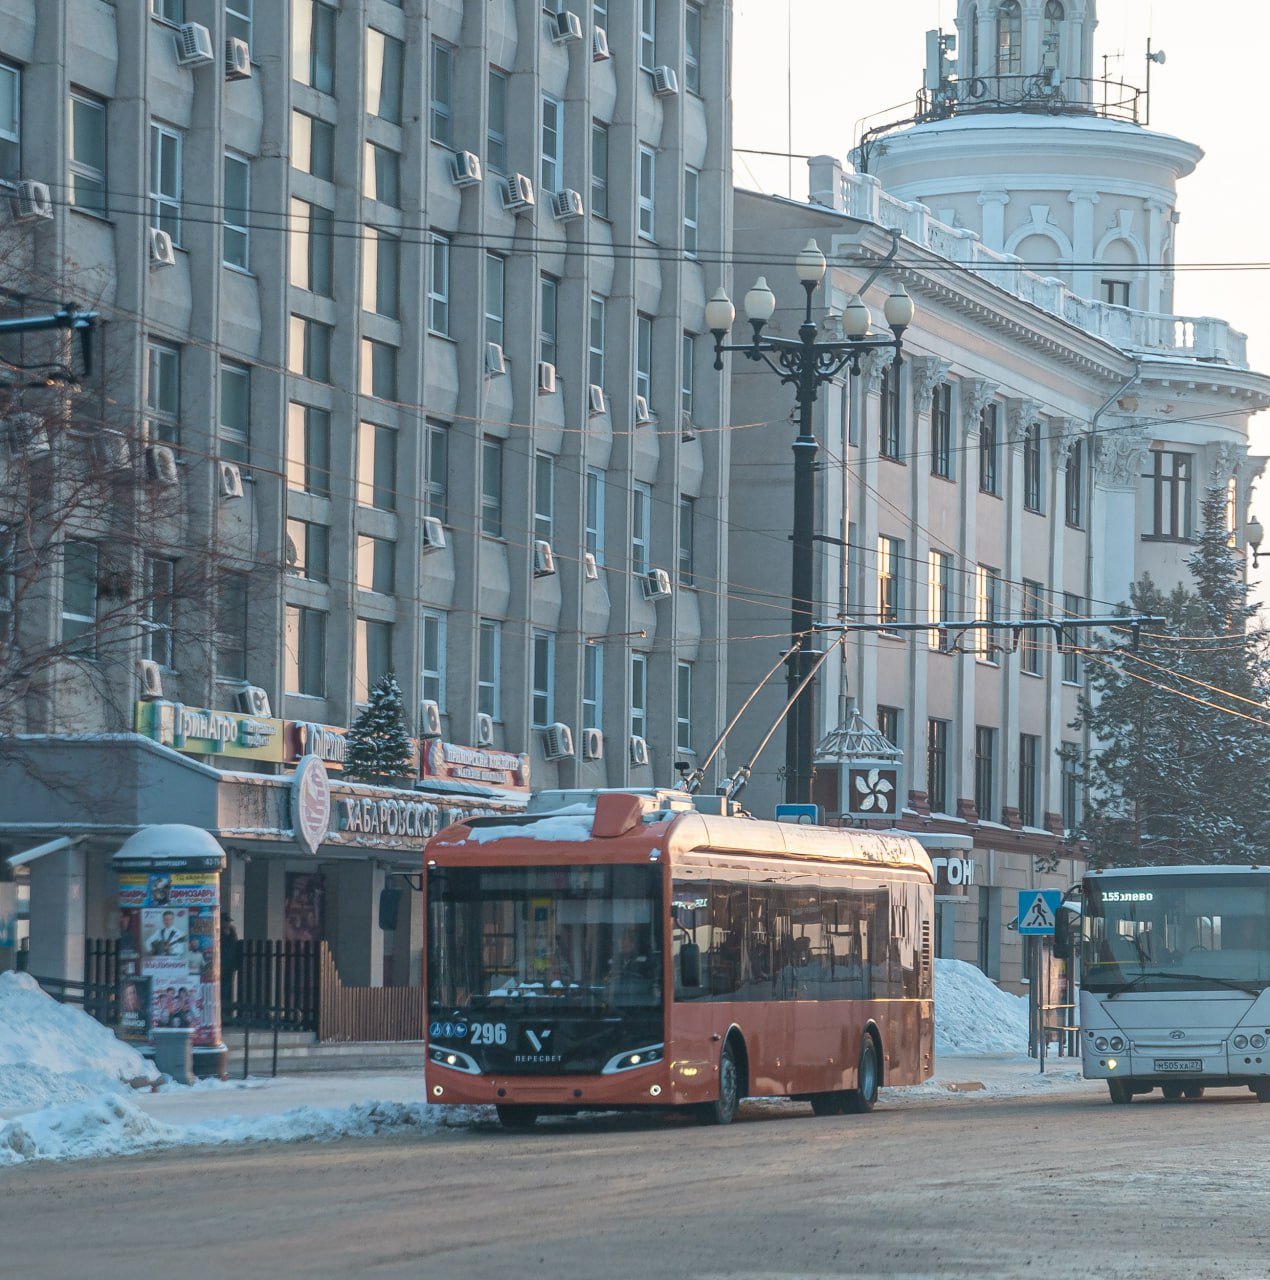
(1175, 963)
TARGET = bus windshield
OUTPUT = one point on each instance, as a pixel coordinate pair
(584, 937)
(1176, 932)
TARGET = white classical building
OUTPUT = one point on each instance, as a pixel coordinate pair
(1048, 440)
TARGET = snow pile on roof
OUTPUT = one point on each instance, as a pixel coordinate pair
(559, 828)
(112, 1126)
(52, 1052)
(973, 1014)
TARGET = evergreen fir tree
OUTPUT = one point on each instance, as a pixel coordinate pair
(1178, 772)
(378, 744)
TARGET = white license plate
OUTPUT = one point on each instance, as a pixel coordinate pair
(1179, 1064)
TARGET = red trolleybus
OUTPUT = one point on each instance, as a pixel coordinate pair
(611, 949)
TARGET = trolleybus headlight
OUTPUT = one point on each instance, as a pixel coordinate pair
(1240, 1042)
(1257, 1041)
(1102, 1044)
(455, 1059)
(1111, 1064)
(634, 1058)
(1117, 1043)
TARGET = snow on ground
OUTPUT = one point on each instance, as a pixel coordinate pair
(64, 1082)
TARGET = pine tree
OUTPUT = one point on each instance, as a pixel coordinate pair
(1178, 771)
(378, 745)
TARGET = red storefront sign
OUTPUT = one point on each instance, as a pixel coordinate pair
(479, 766)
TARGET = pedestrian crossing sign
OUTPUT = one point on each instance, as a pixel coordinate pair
(1037, 909)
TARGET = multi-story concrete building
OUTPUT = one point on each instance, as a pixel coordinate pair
(401, 306)
(1048, 439)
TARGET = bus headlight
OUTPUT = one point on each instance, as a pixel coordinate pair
(1257, 1041)
(633, 1059)
(1102, 1044)
(1116, 1043)
(1240, 1042)
(455, 1059)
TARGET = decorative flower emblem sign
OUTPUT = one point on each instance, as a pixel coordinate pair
(874, 792)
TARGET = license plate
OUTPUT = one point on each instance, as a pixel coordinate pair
(1179, 1064)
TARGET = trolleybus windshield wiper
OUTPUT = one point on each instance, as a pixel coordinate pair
(1250, 988)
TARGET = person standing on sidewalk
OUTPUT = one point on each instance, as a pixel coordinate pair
(231, 955)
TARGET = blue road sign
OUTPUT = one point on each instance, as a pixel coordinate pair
(801, 813)
(1037, 909)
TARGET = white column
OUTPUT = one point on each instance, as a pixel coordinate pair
(1113, 521)
(352, 905)
(992, 231)
(866, 523)
(57, 915)
(1065, 432)
(1084, 277)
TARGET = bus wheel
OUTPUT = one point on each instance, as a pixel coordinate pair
(863, 1097)
(724, 1108)
(1120, 1092)
(1193, 1091)
(1262, 1090)
(828, 1104)
(518, 1117)
(1172, 1092)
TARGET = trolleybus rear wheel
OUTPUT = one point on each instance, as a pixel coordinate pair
(1120, 1092)
(863, 1097)
(828, 1104)
(1262, 1090)
(1193, 1091)
(1171, 1091)
(517, 1117)
(724, 1108)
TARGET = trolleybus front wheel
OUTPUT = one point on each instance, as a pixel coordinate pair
(863, 1097)
(1120, 1092)
(517, 1117)
(1262, 1090)
(724, 1108)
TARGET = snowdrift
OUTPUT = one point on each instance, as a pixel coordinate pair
(973, 1014)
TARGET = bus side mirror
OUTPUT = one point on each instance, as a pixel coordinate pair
(689, 965)
(1066, 924)
(389, 907)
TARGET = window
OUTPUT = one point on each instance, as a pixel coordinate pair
(165, 180)
(312, 247)
(889, 434)
(644, 358)
(595, 513)
(1032, 484)
(495, 297)
(439, 286)
(1075, 485)
(488, 668)
(989, 450)
(163, 391)
(309, 348)
(168, 10)
(1071, 786)
(985, 772)
(987, 593)
(237, 211)
(647, 181)
(10, 122)
(157, 642)
(313, 44)
(432, 658)
(647, 35)
(1116, 292)
(937, 765)
(306, 652)
(381, 178)
(683, 708)
(692, 195)
(687, 375)
(548, 319)
(1009, 39)
(639, 695)
(542, 695)
(377, 466)
(86, 150)
(692, 48)
(235, 412)
(687, 541)
(381, 273)
(600, 10)
(641, 526)
(1171, 475)
(889, 724)
(238, 20)
(1030, 639)
(890, 580)
(312, 146)
(492, 487)
(376, 564)
(592, 686)
(437, 481)
(79, 598)
(308, 550)
(372, 658)
(1073, 607)
(384, 61)
(231, 627)
(941, 431)
(496, 125)
(1029, 779)
(441, 112)
(544, 495)
(939, 594)
(595, 342)
(309, 449)
(599, 169)
(378, 370)
(552, 149)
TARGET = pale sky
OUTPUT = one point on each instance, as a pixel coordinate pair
(854, 60)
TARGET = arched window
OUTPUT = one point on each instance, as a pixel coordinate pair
(1052, 35)
(1010, 39)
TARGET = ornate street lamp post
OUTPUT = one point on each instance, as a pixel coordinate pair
(805, 363)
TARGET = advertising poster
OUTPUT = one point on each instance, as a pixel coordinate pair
(134, 1008)
(303, 911)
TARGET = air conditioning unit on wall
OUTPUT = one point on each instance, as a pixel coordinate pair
(557, 742)
(237, 59)
(592, 744)
(638, 750)
(656, 583)
(429, 719)
(32, 201)
(150, 674)
(252, 700)
(194, 45)
(544, 559)
(484, 729)
(465, 169)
